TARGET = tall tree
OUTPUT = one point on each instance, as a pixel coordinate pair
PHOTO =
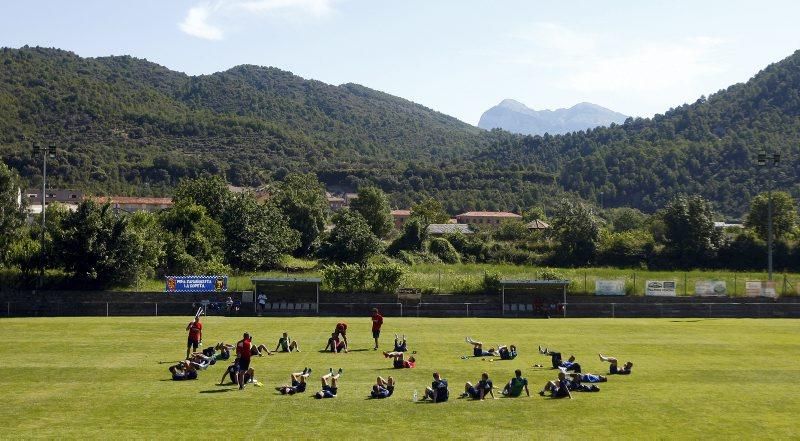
(193, 240)
(430, 211)
(256, 235)
(415, 233)
(301, 197)
(12, 213)
(210, 192)
(351, 240)
(373, 205)
(784, 215)
(99, 248)
(690, 237)
(577, 230)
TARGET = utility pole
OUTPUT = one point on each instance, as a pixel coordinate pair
(772, 161)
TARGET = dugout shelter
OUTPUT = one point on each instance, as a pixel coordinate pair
(284, 288)
(534, 297)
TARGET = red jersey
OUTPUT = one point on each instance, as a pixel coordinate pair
(377, 321)
(409, 364)
(195, 331)
(243, 349)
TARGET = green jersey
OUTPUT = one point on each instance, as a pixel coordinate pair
(517, 384)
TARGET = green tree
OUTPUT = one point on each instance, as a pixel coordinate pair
(626, 219)
(301, 197)
(413, 238)
(534, 213)
(689, 235)
(256, 235)
(577, 231)
(444, 250)
(99, 248)
(512, 230)
(373, 205)
(351, 240)
(12, 214)
(210, 192)
(429, 211)
(193, 241)
(784, 215)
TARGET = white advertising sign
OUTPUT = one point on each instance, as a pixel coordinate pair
(710, 288)
(609, 287)
(663, 288)
(760, 288)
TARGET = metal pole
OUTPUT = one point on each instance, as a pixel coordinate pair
(503, 306)
(769, 226)
(156, 309)
(317, 285)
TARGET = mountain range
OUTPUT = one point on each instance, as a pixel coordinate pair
(127, 126)
(515, 117)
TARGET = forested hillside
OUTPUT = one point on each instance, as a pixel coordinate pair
(128, 126)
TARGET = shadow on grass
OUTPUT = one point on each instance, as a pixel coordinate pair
(687, 321)
(216, 391)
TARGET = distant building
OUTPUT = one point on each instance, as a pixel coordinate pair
(349, 198)
(488, 218)
(400, 218)
(441, 229)
(335, 203)
(73, 197)
(727, 225)
(131, 204)
(537, 225)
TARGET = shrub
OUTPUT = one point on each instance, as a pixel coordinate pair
(491, 282)
(444, 250)
(550, 274)
(345, 277)
(388, 277)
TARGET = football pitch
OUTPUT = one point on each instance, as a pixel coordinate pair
(692, 378)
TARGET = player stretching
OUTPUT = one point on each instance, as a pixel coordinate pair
(613, 369)
(298, 384)
(330, 385)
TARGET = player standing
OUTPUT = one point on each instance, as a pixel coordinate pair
(195, 329)
(243, 353)
(377, 322)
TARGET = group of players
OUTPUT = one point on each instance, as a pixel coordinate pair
(570, 376)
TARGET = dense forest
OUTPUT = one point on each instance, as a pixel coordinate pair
(127, 126)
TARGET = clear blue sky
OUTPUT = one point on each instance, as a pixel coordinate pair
(456, 56)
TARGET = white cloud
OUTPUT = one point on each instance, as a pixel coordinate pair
(556, 37)
(197, 21)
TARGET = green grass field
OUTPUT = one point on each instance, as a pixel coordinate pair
(107, 378)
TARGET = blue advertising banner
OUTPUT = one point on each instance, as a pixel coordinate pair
(196, 284)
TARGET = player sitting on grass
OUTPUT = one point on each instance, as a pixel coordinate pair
(286, 344)
(183, 371)
(479, 391)
(298, 383)
(516, 385)
(559, 363)
(231, 371)
(330, 385)
(438, 392)
(557, 389)
(507, 352)
(477, 349)
(399, 362)
(335, 344)
(613, 369)
(382, 388)
(400, 345)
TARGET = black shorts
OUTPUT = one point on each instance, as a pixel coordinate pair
(192, 343)
(244, 364)
(376, 334)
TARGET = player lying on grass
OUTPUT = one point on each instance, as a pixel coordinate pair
(335, 344)
(479, 391)
(588, 378)
(201, 361)
(613, 369)
(516, 385)
(477, 349)
(224, 351)
(559, 363)
(184, 370)
(400, 345)
(575, 382)
(507, 352)
(286, 344)
(399, 362)
(557, 388)
(330, 385)
(382, 388)
(298, 384)
(438, 392)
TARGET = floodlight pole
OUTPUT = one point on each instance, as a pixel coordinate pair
(774, 160)
(44, 150)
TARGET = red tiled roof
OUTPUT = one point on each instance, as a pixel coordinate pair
(401, 212)
(488, 214)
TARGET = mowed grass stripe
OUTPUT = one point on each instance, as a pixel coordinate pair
(107, 378)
